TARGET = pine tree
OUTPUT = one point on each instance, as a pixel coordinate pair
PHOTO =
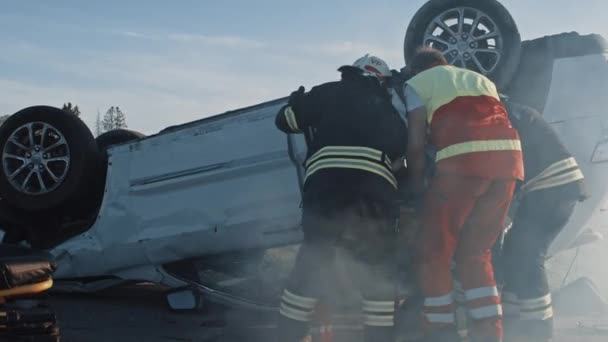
(113, 119)
(71, 109)
(121, 119)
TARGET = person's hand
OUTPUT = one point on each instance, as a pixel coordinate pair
(296, 98)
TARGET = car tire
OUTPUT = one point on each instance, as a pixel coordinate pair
(48, 157)
(491, 47)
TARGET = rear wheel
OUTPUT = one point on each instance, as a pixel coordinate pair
(478, 35)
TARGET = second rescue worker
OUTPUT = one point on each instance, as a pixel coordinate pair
(354, 135)
(478, 161)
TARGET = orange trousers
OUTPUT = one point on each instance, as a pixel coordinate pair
(462, 218)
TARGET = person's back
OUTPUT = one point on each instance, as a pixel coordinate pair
(469, 127)
(542, 148)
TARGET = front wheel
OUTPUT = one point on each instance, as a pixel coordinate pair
(49, 157)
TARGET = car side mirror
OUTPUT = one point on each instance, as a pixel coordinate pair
(184, 299)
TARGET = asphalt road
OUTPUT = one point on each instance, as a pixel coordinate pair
(140, 314)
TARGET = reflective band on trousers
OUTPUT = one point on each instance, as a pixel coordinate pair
(290, 117)
(560, 173)
(296, 314)
(486, 311)
(481, 292)
(296, 307)
(378, 313)
(439, 301)
(478, 146)
(300, 301)
(351, 157)
(536, 308)
(378, 306)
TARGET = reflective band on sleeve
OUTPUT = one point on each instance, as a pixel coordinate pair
(349, 151)
(299, 301)
(486, 312)
(551, 177)
(478, 146)
(358, 164)
(379, 320)
(378, 306)
(290, 116)
(446, 318)
(565, 178)
(481, 292)
(539, 314)
(295, 314)
(439, 301)
(535, 302)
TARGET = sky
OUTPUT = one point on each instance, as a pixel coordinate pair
(170, 62)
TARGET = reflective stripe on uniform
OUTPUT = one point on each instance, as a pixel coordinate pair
(478, 146)
(296, 314)
(481, 292)
(535, 302)
(486, 311)
(536, 308)
(299, 301)
(348, 163)
(439, 301)
(378, 320)
(378, 306)
(538, 314)
(447, 318)
(562, 172)
(296, 307)
(349, 151)
(290, 117)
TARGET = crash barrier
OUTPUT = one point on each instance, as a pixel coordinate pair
(25, 276)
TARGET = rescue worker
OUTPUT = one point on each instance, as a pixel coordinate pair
(349, 198)
(543, 205)
(478, 161)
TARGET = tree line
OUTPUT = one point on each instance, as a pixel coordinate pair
(113, 118)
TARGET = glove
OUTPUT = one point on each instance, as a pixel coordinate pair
(296, 98)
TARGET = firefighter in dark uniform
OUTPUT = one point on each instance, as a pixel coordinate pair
(544, 203)
(354, 136)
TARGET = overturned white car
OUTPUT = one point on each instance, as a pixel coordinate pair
(128, 207)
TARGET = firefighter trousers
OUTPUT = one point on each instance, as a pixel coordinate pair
(526, 294)
(461, 219)
(365, 229)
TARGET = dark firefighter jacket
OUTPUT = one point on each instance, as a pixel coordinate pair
(353, 135)
(547, 162)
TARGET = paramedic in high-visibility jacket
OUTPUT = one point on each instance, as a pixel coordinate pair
(354, 137)
(477, 164)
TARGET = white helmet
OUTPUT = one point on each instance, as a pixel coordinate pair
(373, 66)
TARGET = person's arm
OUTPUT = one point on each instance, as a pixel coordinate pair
(300, 112)
(415, 149)
(417, 128)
